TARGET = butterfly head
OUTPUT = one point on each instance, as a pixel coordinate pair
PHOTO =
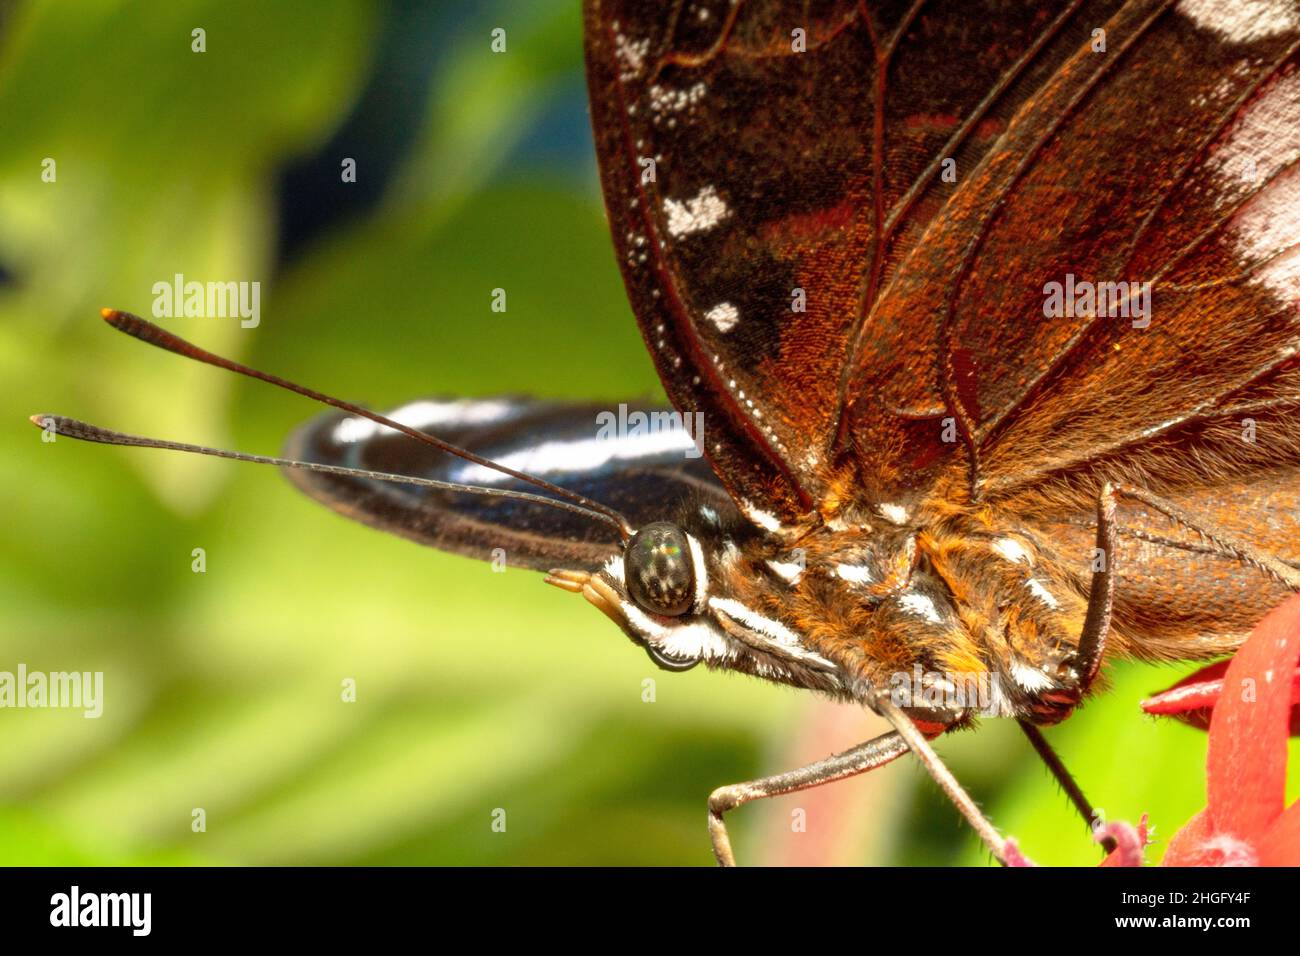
(686, 591)
(851, 611)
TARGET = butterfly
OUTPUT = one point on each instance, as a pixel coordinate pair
(981, 329)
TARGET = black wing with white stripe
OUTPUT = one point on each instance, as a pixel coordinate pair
(640, 460)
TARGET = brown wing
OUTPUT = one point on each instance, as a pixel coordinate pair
(765, 165)
(1150, 142)
(1176, 598)
(1170, 159)
(1127, 165)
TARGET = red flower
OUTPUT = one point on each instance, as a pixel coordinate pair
(1192, 699)
(1251, 705)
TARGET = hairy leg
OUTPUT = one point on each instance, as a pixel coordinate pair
(874, 753)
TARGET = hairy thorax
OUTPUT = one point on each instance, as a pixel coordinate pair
(936, 611)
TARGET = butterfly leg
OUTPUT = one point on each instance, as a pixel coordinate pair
(1087, 658)
(1084, 664)
(874, 753)
(1101, 594)
(1077, 671)
(918, 743)
(1066, 779)
(1091, 649)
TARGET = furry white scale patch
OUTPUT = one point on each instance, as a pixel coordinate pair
(701, 574)
(782, 640)
(790, 571)
(1030, 678)
(920, 605)
(854, 573)
(1012, 550)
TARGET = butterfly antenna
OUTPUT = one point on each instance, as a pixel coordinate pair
(146, 331)
(83, 431)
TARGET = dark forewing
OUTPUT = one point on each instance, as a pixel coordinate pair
(1151, 140)
(642, 471)
(796, 150)
(1147, 141)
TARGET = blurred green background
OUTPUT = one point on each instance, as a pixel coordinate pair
(477, 691)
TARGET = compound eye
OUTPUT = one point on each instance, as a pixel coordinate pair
(659, 572)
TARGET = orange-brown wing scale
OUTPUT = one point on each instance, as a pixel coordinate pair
(919, 178)
(763, 163)
(1200, 404)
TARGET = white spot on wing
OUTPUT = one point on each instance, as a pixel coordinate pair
(1255, 156)
(631, 56)
(665, 100)
(1270, 222)
(699, 214)
(724, 316)
(1242, 21)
